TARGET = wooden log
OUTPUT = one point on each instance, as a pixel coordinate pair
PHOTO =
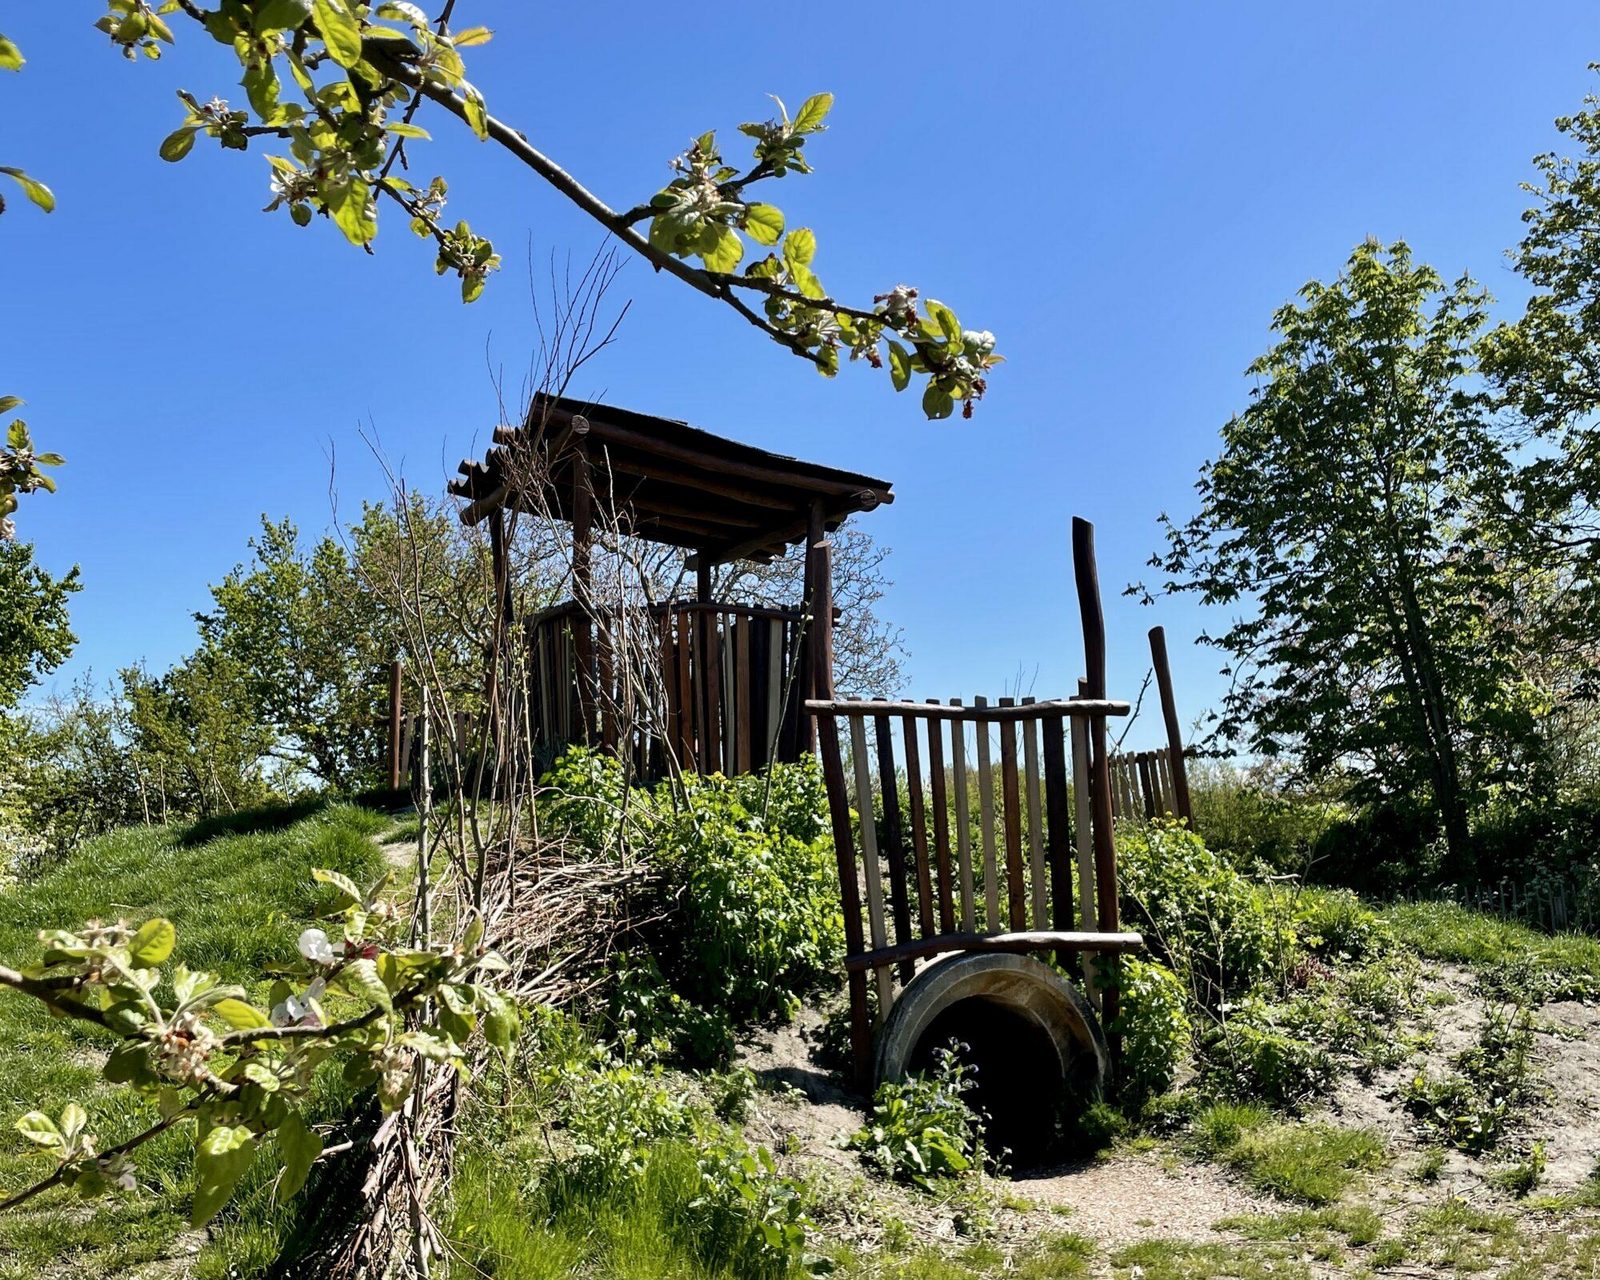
(1055, 709)
(849, 894)
(941, 826)
(893, 838)
(991, 877)
(1030, 769)
(1057, 826)
(958, 764)
(1176, 764)
(880, 959)
(1087, 576)
(919, 826)
(1011, 819)
(869, 859)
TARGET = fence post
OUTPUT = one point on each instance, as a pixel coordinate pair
(395, 763)
(1169, 713)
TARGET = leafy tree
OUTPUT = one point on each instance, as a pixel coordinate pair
(1357, 515)
(35, 637)
(308, 641)
(195, 731)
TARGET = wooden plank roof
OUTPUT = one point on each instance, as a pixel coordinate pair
(665, 480)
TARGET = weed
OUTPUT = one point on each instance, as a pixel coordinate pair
(923, 1128)
(1520, 1179)
(1179, 1260)
(1309, 1162)
(1430, 1164)
(1472, 1107)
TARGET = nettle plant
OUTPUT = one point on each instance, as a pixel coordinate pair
(241, 1073)
(333, 87)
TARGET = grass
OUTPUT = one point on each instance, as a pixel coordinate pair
(238, 902)
(1568, 963)
(1178, 1260)
(1310, 1162)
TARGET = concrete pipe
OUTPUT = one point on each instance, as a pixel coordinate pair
(1032, 1036)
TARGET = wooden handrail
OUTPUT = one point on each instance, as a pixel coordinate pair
(1055, 709)
(1039, 940)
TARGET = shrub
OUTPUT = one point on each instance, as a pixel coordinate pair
(1198, 914)
(1250, 815)
(1155, 1028)
(1335, 924)
(1252, 1055)
(748, 893)
(923, 1128)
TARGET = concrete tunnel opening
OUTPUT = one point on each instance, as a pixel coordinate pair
(1032, 1037)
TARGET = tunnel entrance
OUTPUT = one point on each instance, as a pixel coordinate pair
(1019, 1088)
(1032, 1037)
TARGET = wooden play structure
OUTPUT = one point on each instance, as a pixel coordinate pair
(971, 838)
(734, 677)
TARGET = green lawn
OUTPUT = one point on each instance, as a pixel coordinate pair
(238, 901)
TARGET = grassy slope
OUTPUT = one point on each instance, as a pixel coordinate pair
(238, 902)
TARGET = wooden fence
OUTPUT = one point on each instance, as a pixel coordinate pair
(967, 828)
(719, 685)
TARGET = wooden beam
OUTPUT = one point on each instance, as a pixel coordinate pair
(1035, 940)
(1055, 709)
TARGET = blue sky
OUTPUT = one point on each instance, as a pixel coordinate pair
(1122, 193)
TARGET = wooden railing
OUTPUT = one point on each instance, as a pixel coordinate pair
(712, 687)
(968, 828)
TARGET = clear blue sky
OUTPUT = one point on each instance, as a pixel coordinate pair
(1122, 193)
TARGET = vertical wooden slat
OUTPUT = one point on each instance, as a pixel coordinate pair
(958, 764)
(775, 630)
(1011, 792)
(1057, 822)
(1030, 768)
(741, 662)
(919, 825)
(849, 892)
(689, 712)
(893, 839)
(758, 692)
(1082, 819)
(991, 877)
(728, 701)
(605, 660)
(1147, 789)
(869, 860)
(712, 675)
(941, 826)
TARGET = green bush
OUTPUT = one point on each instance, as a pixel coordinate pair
(923, 1128)
(747, 894)
(1335, 924)
(1155, 1029)
(1251, 1055)
(1251, 815)
(1198, 915)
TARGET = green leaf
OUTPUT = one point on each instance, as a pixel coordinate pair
(477, 114)
(8, 403)
(341, 32)
(949, 326)
(73, 1118)
(11, 58)
(400, 129)
(343, 883)
(221, 1158)
(471, 36)
(153, 943)
(281, 15)
(764, 222)
(899, 366)
(35, 190)
(299, 1145)
(726, 251)
(500, 1024)
(240, 1015)
(799, 247)
(360, 978)
(39, 1128)
(937, 402)
(178, 143)
(813, 111)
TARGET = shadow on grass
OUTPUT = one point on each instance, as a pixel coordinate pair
(268, 817)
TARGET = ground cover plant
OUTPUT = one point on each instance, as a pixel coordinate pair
(239, 901)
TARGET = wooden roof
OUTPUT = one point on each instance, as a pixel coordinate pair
(669, 482)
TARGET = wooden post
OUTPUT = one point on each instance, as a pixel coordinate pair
(816, 671)
(1169, 713)
(1087, 576)
(584, 623)
(849, 895)
(395, 763)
